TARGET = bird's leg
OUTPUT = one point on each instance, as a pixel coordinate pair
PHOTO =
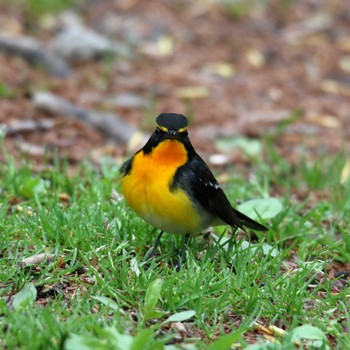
(183, 253)
(151, 252)
(233, 244)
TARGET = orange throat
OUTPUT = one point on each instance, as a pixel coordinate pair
(147, 189)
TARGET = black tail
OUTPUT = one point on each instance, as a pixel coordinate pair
(248, 222)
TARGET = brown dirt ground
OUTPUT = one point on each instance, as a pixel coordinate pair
(283, 60)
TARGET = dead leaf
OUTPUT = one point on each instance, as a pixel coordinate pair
(344, 63)
(255, 58)
(192, 92)
(263, 329)
(277, 331)
(64, 197)
(328, 121)
(221, 69)
(164, 46)
(334, 87)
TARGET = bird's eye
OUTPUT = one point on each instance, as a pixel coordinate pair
(157, 131)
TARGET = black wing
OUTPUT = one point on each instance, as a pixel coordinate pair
(126, 167)
(197, 178)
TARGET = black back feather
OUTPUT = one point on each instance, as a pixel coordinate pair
(199, 181)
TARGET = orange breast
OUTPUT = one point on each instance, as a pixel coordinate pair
(146, 190)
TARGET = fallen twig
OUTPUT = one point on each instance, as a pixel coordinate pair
(108, 123)
(26, 125)
(37, 259)
(35, 53)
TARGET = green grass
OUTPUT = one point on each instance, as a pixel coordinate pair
(96, 294)
(36, 8)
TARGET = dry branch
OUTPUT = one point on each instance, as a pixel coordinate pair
(24, 126)
(35, 53)
(37, 259)
(108, 123)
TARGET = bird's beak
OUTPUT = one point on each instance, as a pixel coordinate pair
(172, 134)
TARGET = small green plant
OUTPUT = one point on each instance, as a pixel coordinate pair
(37, 8)
(5, 90)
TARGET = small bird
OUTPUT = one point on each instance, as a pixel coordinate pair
(171, 187)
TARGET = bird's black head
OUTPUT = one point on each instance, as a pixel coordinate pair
(169, 126)
(172, 123)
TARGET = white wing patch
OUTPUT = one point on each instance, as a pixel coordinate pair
(210, 184)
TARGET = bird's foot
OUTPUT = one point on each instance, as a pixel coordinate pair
(149, 256)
